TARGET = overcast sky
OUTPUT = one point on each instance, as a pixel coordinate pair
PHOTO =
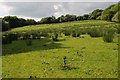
(38, 10)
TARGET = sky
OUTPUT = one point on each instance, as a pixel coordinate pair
(37, 10)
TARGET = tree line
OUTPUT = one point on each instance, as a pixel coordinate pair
(109, 14)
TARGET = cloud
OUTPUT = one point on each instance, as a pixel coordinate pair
(38, 10)
(4, 9)
(60, 9)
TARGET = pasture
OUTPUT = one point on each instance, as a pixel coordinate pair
(82, 56)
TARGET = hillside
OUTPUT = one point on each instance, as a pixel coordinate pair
(70, 56)
(82, 24)
(111, 12)
(66, 47)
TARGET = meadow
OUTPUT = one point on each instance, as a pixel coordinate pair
(78, 51)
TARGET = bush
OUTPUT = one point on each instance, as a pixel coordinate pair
(38, 36)
(15, 36)
(5, 25)
(55, 37)
(34, 36)
(28, 42)
(95, 32)
(6, 39)
(26, 36)
(108, 35)
(74, 34)
(67, 32)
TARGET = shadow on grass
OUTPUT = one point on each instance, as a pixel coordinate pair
(37, 45)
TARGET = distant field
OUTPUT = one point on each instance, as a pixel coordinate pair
(86, 57)
(86, 23)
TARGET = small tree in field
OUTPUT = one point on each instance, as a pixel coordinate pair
(108, 35)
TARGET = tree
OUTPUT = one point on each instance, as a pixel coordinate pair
(62, 18)
(109, 12)
(48, 20)
(85, 16)
(79, 18)
(95, 14)
(30, 22)
(5, 25)
(69, 17)
(13, 21)
(22, 22)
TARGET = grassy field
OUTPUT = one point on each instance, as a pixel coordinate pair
(86, 57)
(44, 58)
(85, 23)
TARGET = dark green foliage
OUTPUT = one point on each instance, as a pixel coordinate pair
(13, 21)
(5, 25)
(86, 17)
(74, 34)
(70, 17)
(109, 12)
(79, 18)
(34, 35)
(22, 22)
(95, 14)
(67, 18)
(38, 35)
(62, 19)
(55, 36)
(108, 34)
(30, 22)
(48, 20)
(26, 36)
(78, 34)
(95, 32)
(14, 36)
(6, 39)
(67, 32)
(29, 42)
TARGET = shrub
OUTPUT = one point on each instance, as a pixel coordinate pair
(38, 36)
(78, 32)
(55, 37)
(26, 36)
(34, 35)
(95, 32)
(29, 42)
(74, 34)
(67, 33)
(108, 35)
(6, 39)
(14, 36)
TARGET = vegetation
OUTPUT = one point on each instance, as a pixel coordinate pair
(95, 14)
(53, 49)
(85, 58)
(109, 12)
(116, 17)
(108, 35)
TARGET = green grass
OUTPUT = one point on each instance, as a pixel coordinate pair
(95, 58)
(82, 24)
